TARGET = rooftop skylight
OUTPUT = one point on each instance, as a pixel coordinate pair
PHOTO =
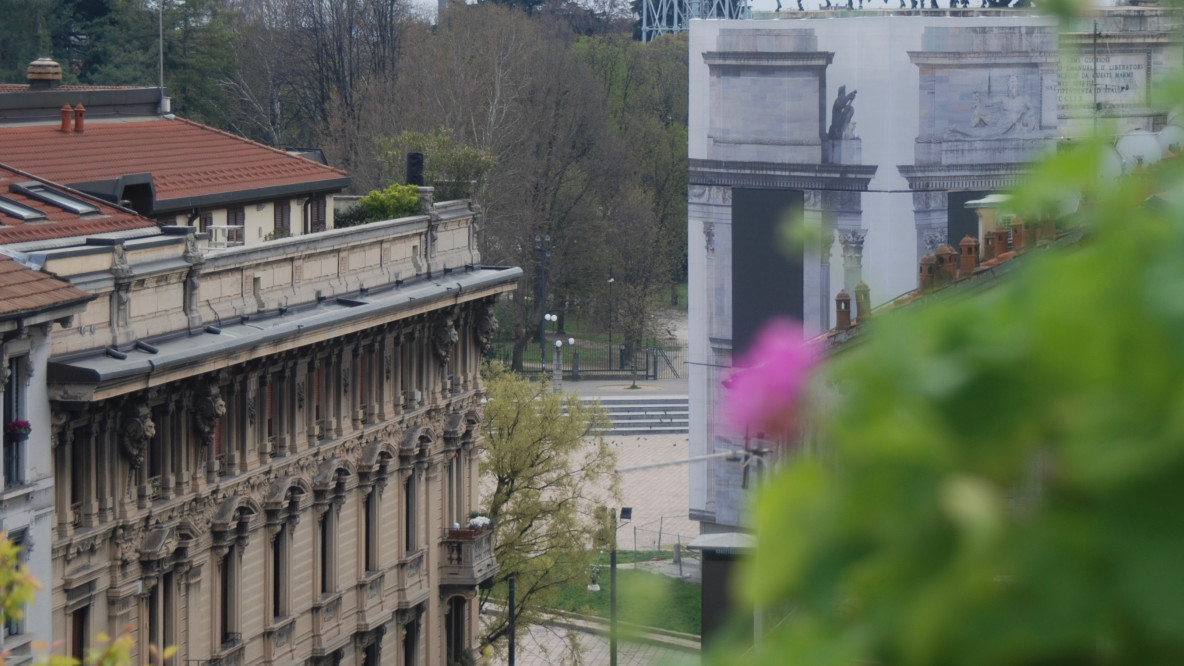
(54, 198)
(19, 210)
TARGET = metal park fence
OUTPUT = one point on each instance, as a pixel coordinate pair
(597, 359)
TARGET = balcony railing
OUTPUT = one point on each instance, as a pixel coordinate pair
(467, 557)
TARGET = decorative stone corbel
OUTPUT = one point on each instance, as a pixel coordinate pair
(444, 337)
(486, 326)
(208, 408)
(135, 431)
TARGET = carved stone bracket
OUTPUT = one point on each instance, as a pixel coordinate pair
(135, 431)
(486, 326)
(209, 407)
(444, 337)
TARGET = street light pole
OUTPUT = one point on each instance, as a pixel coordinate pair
(612, 601)
(626, 515)
(610, 322)
(542, 245)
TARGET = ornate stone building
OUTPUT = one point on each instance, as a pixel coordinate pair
(262, 454)
(31, 303)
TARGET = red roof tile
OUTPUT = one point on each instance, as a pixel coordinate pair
(186, 159)
(59, 223)
(23, 289)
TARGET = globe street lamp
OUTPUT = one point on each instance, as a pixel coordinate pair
(557, 367)
(543, 339)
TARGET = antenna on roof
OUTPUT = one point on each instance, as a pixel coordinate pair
(160, 45)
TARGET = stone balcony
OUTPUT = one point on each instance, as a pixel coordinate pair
(467, 557)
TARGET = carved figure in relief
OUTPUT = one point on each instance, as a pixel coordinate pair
(444, 338)
(841, 113)
(1010, 114)
(486, 328)
(135, 432)
(209, 407)
(1017, 110)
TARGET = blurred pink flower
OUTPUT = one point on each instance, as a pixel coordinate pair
(763, 391)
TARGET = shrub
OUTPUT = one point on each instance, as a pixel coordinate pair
(394, 202)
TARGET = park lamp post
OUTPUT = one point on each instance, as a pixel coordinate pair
(626, 516)
(548, 317)
(610, 322)
(557, 366)
(542, 245)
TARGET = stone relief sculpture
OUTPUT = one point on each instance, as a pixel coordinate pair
(1010, 114)
(841, 113)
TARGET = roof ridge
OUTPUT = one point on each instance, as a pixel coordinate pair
(273, 149)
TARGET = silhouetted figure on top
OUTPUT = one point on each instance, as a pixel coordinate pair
(841, 113)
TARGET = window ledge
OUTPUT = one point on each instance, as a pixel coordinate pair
(279, 624)
(328, 598)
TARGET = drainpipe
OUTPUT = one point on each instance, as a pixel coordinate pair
(304, 209)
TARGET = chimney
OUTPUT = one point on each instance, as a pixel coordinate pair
(928, 264)
(79, 116)
(415, 169)
(863, 301)
(969, 247)
(67, 117)
(1000, 241)
(44, 74)
(947, 263)
(843, 310)
(1019, 235)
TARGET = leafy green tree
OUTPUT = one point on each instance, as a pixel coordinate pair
(455, 170)
(546, 469)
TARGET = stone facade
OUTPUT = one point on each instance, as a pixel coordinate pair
(26, 476)
(261, 452)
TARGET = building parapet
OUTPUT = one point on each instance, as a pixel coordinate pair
(168, 285)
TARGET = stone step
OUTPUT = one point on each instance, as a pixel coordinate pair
(645, 415)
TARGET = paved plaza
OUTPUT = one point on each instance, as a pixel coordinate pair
(658, 496)
(659, 499)
(546, 645)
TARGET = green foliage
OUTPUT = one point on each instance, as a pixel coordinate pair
(390, 204)
(455, 169)
(351, 217)
(16, 583)
(116, 42)
(546, 471)
(1006, 464)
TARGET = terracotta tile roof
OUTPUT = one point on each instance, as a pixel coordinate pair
(23, 289)
(186, 159)
(59, 223)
